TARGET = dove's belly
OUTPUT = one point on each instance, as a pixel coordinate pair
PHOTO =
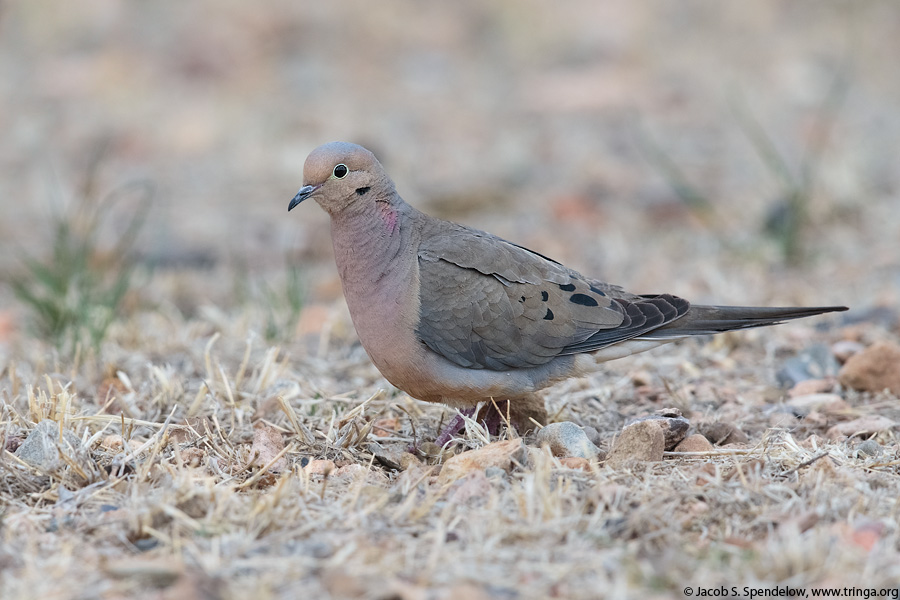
(412, 367)
(387, 331)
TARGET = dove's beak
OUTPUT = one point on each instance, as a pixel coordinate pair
(305, 192)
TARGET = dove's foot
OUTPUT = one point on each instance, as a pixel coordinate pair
(520, 414)
(489, 416)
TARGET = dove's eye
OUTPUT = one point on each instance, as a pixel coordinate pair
(340, 170)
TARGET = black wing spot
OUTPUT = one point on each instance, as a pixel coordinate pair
(583, 300)
(549, 315)
(598, 291)
(567, 287)
(544, 295)
(362, 190)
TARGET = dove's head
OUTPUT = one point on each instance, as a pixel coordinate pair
(339, 175)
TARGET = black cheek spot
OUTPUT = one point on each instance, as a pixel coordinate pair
(583, 300)
(549, 315)
(544, 296)
(362, 190)
(568, 287)
(522, 299)
(598, 292)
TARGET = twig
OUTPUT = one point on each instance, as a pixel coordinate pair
(805, 463)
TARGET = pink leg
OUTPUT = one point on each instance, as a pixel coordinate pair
(522, 408)
(489, 417)
(455, 425)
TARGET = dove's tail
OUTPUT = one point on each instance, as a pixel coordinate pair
(705, 320)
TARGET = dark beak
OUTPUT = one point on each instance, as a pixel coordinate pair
(305, 192)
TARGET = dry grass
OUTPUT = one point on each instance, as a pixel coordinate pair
(169, 502)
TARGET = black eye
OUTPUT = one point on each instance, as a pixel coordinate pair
(340, 170)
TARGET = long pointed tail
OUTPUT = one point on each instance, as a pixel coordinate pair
(704, 320)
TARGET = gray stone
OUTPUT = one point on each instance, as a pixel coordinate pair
(42, 447)
(567, 439)
(814, 362)
(869, 448)
(592, 434)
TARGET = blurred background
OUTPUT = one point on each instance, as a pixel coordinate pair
(738, 152)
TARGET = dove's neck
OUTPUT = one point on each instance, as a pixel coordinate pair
(375, 252)
(371, 244)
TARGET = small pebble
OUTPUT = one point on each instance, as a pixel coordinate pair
(407, 460)
(815, 420)
(641, 378)
(814, 362)
(721, 433)
(641, 442)
(844, 349)
(575, 462)
(503, 455)
(319, 549)
(694, 443)
(41, 447)
(431, 453)
(566, 439)
(869, 448)
(319, 467)
(673, 425)
(113, 442)
(392, 457)
(863, 426)
(351, 470)
(811, 386)
(874, 369)
(592, 434)
(783, 419)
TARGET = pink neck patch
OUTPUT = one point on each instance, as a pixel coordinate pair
(388, 216)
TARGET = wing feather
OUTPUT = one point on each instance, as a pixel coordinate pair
(488, 304)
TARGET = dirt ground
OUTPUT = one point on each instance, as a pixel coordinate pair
(730, 153)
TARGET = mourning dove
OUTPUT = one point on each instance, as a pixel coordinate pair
(451, 314)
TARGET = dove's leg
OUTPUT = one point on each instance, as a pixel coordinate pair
(456, 424)
(520, 413)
